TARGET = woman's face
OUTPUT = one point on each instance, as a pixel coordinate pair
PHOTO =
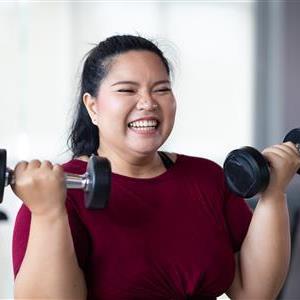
(135, 106)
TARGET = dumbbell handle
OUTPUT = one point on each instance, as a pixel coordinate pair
(73, 181)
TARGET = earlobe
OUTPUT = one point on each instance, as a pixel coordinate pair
(89, 102)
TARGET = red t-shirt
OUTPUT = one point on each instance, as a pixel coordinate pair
(168, 237)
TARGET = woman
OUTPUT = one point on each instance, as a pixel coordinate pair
(171, 230)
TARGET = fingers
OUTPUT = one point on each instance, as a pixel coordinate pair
(293, 147)
(288, 148)
(36, 171)
(32, 165)
(39, 185)
(283, 157)
(283, 150)
(58, 169)
(21, 166)
(46, 164)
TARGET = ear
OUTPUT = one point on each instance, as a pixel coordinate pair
(90, 104)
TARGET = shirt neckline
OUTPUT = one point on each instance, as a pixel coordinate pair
(163, 176)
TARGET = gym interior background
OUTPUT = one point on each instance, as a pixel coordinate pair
(237, 71)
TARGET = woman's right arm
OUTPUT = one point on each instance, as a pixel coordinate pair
(49, 268)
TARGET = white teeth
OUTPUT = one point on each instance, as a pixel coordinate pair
(144, 128)
(148, 123)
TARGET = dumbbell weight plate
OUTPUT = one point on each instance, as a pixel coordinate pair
(246, 172)
(294, 137)
(98, 192)
(2, 172)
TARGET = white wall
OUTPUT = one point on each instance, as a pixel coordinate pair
(41, 45)
(35, 96)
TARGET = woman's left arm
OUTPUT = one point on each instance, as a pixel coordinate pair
(263, 261)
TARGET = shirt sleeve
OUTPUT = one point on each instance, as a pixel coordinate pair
(22, 229)
(238, 215)
(20, 237)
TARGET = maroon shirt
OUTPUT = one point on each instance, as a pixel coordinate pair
(169, 237)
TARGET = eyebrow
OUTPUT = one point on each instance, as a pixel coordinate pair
(136, 83)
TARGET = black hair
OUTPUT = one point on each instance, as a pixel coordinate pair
(84, 135)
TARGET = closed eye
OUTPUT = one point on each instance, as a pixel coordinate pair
(129, 91)
(163, 90)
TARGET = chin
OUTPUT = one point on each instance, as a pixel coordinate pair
(145, 150)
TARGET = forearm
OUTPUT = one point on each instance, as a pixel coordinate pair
(49, 268)
(265, 253)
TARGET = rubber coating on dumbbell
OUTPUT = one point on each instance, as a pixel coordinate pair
(99, 169)
(246, 172)
(3, 216)
(2, 172)
(293, 136)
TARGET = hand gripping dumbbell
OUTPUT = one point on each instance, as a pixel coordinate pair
(95, 183)
(247, 171)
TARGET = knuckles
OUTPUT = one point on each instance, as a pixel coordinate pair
(279, 157)
(36, 173)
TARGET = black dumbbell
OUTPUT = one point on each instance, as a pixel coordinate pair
(95, 183)
(247, 171)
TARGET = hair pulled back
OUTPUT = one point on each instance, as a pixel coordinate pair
(84, 135)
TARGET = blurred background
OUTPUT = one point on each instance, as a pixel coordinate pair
(236, 79)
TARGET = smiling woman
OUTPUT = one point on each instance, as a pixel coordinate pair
(134, 110)
(172, 229)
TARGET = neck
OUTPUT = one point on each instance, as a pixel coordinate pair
(135, 165)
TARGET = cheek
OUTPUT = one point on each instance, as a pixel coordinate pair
(170, 110)
(113, 110)
(109, 105)
(174, 107)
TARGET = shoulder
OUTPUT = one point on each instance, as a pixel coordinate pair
(200, 169)
(76, 165)
(196, 162)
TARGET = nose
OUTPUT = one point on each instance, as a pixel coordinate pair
(146, 103)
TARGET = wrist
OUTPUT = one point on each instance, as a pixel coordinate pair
(273, 195)
(50, 215)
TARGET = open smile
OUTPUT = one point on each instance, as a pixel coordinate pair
(145, 127)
